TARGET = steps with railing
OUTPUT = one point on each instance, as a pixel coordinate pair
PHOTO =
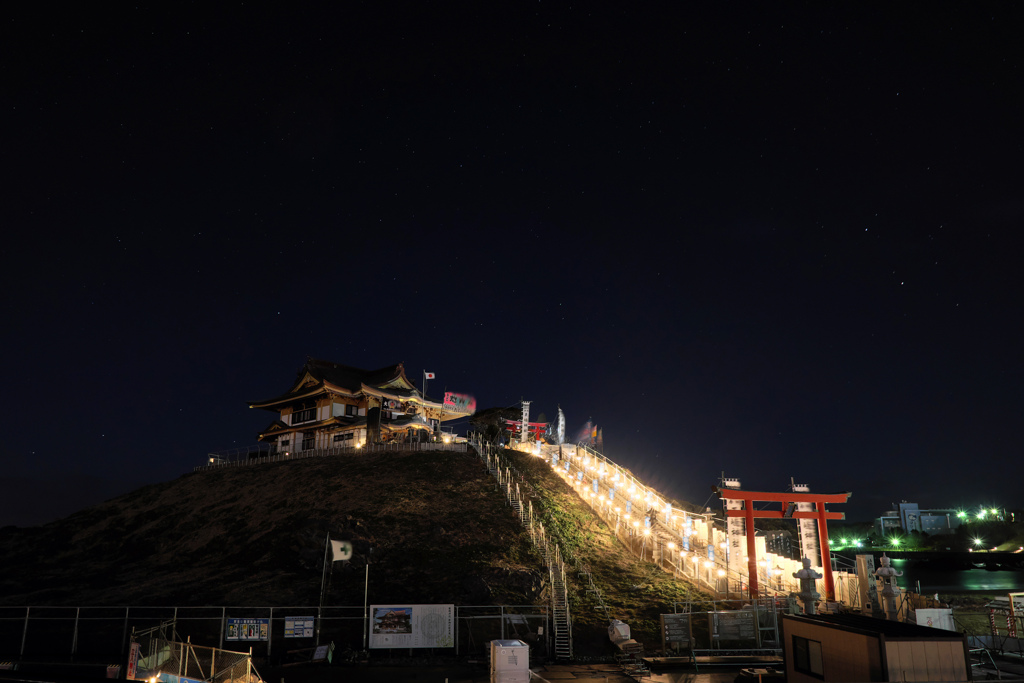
(518, 492)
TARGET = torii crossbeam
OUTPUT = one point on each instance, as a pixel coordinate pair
(790, 497)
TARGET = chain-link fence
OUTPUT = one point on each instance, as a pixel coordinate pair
(66, 634)
(160, 652)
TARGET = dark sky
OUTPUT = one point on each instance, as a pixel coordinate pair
(775, 242)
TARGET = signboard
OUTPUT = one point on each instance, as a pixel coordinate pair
(133, 661)
(298, 627)
(248, 629)
(412, 626)
(460, 403)
(675, 631)
(324, 653)
(737, 628)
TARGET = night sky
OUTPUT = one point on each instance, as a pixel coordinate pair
(774, 242)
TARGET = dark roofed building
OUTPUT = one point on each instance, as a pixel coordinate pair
(330, 404)
(849, 647)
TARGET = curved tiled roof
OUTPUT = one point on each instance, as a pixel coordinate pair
(345, 377)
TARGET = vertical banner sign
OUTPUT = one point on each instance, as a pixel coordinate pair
(809, 546)
(611, 494)
(133, 662)
(735, 526)
(595, 486)
(711, 552)
(629, 506)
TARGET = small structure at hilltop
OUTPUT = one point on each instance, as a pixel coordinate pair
(331, 405)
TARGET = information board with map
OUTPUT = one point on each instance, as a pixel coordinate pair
(412, 626)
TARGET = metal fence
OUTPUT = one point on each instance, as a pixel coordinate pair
(103, 633)
(157, 652)
(262, 453)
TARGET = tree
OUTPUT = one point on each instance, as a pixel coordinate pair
(490, 422)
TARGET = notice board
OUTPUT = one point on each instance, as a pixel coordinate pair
(675, 631)
(737, 629)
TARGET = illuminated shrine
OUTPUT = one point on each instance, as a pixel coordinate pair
(333, 405)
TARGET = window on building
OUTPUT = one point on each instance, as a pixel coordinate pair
(308, 441)
(300, 415)
(285, 442)
(350, 410)
(347, 436)
(807, 657)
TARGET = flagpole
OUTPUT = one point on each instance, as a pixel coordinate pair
(323, 582)
(366, 601)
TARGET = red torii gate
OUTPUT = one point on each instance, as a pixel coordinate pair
(786, 499)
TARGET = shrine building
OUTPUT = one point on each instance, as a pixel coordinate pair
(332, 405)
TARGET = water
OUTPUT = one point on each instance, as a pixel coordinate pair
(956, 580)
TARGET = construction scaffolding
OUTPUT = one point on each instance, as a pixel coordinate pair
(157, 654)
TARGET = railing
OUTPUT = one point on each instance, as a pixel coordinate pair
(241, 457)
(516, 489)
(719, 575)
(81, 634)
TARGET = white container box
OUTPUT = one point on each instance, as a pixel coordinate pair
(510, 661)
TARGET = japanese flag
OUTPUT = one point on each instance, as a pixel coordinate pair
(428, 375)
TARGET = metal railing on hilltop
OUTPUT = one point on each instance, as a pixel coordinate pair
(260, 454)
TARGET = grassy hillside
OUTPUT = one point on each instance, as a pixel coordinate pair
(438, 530)
(633, 591)
(255, 536)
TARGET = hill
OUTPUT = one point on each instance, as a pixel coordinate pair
(432, 525)
(255, 536)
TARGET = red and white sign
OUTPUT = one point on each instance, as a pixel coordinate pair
(133, 662)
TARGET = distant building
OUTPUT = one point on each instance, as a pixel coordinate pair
(336, 405)
(908, 517)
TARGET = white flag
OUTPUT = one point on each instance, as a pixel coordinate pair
(428, 375)
(341, 550)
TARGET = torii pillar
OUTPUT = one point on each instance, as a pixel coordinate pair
(788, 501)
